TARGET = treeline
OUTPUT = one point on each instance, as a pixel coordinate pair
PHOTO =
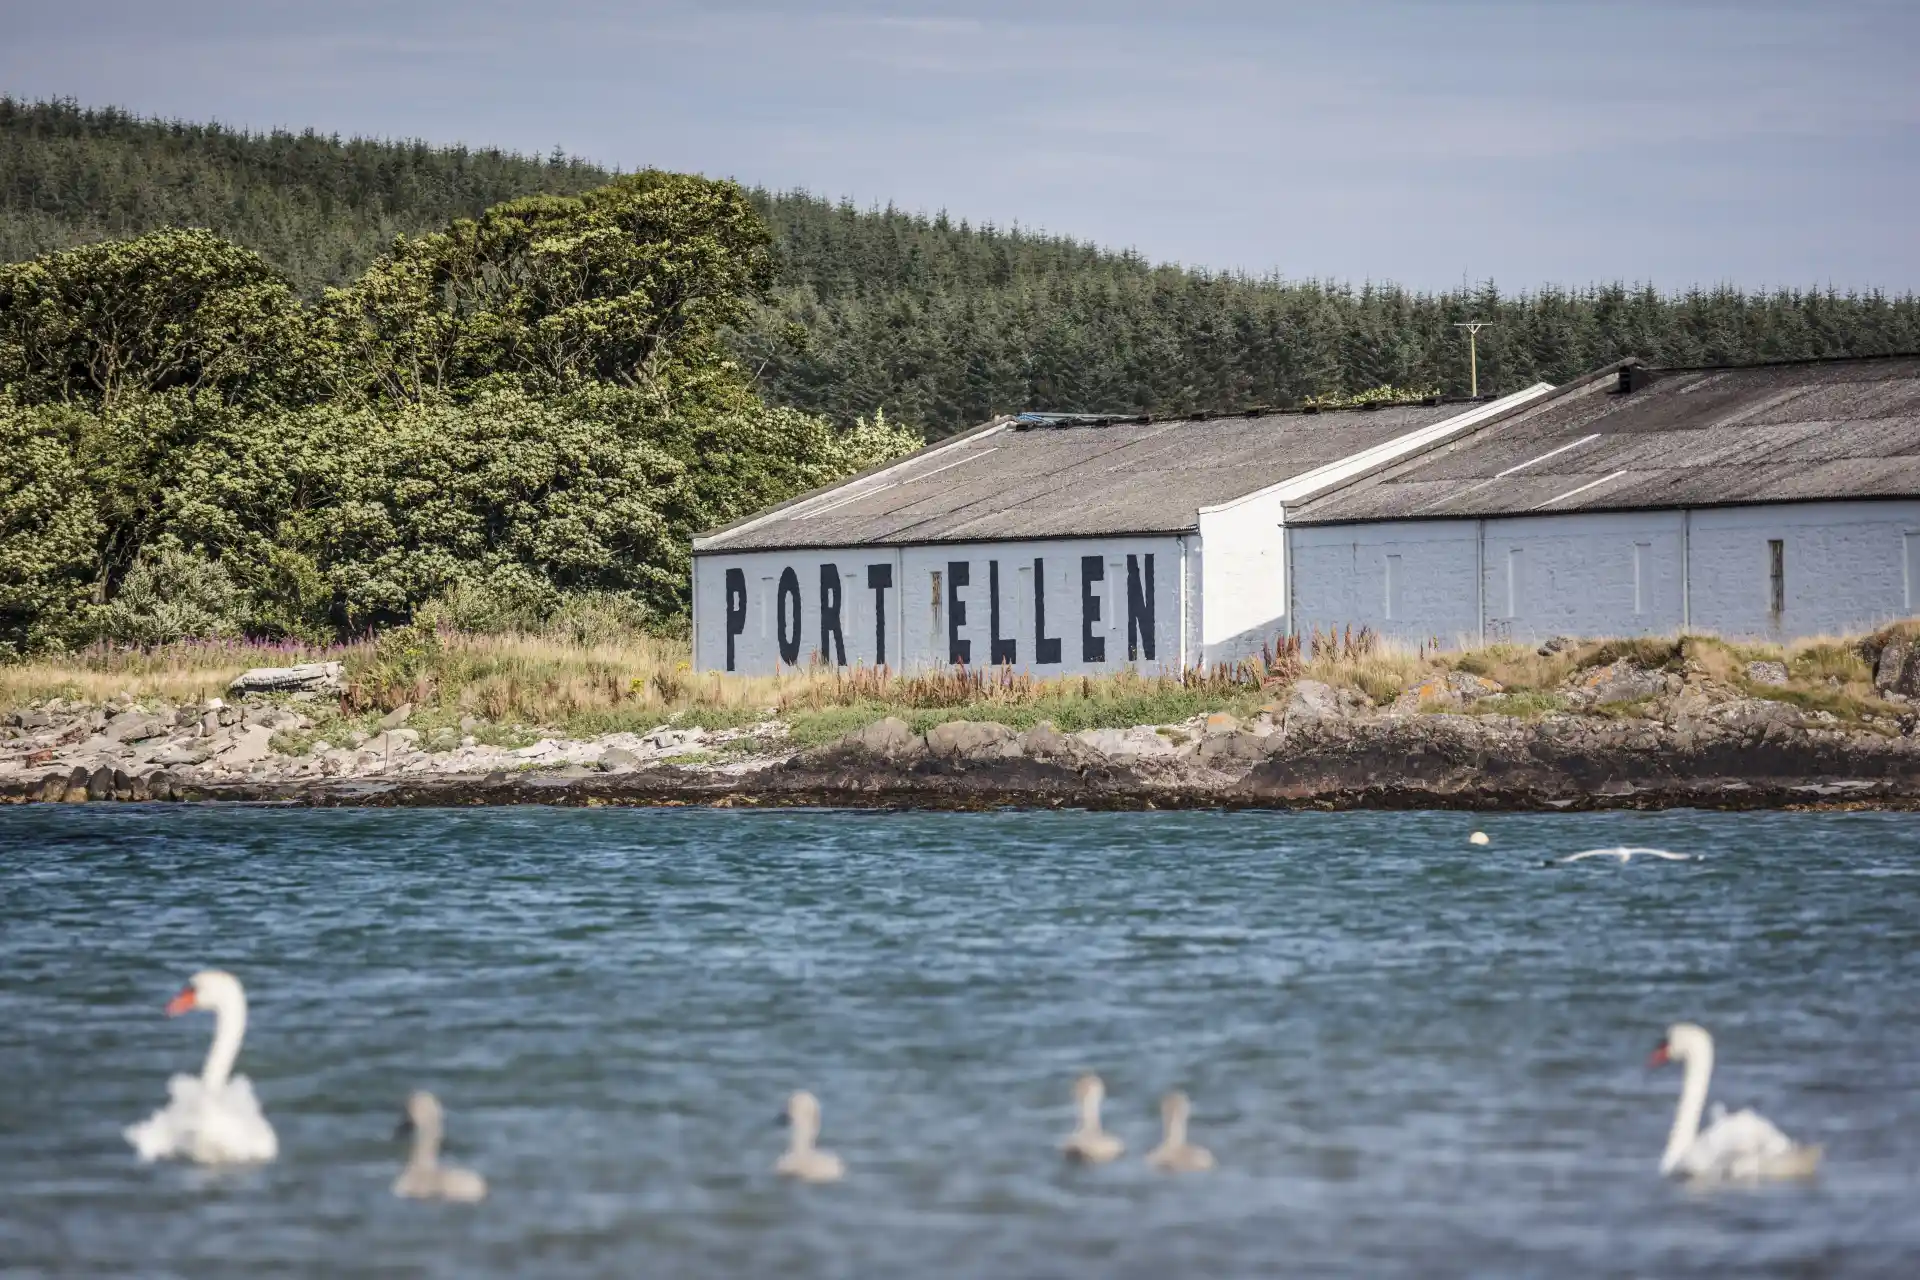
(939, 322)
(501, 418)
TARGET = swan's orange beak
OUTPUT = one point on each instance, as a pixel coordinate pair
(1660, 1057)
(180, 1003)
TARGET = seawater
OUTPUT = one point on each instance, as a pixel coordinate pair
(1410, 1055)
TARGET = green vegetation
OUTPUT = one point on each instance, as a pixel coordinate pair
(939, 322)
(527, 409)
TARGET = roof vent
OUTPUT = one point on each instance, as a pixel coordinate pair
(1634, 376)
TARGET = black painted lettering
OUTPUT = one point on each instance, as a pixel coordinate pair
(736, 609)
(1046, 649)
(833, 646)
(789, 636)
(1093, 648)
(959, 574)
(879, 578)
(998, 650)
(1139, 609)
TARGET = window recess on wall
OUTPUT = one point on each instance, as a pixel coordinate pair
(1776, 576)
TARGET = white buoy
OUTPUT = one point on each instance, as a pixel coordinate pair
(1478, 837)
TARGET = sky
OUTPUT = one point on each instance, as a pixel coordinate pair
(1758, 144)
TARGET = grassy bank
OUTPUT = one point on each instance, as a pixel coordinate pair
(515, 687)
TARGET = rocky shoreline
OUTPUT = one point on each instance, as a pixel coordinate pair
(1683, 741)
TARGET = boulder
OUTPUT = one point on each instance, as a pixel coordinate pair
(397, 717)
(135, 726)
(250, 746)
(1898, 670)
(1044, 742)
(667, 738)
(972, 740)
(185, 751)
(1765, 672)
(307, 677)
(891, 737)
(30, 719)
(619, 758)
(1224, 748)
(1556, 644)
(1125, 744)
(1219, 722)
(1446, 691)
(1621, 681)
(1308, 702)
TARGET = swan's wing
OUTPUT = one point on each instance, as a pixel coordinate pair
(170, 1130)
(1665, 855)
(1737, 1144)
(1584, 854)
(232, 1126)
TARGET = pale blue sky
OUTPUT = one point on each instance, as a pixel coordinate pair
(1760, 143)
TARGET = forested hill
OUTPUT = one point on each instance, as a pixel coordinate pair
(939, 323)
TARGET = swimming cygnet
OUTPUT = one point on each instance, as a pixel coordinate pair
(425, 1178)
(803, 1160)
(1175, 1154)
(1089, 1143)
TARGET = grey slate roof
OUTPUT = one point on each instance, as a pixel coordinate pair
(1812, 430)
(1076, 479)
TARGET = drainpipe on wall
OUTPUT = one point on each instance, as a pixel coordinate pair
(1480, 575)
(1686, 570)
(1181, 541)
(1286, 562)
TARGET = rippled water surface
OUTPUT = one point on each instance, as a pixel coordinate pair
(1410, 1055)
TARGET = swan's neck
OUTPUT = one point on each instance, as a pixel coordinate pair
(1693, 1100)
(426, 1146)
(804, 1134)
(229, 1026)
(1090, 1114)
(1176, 1135)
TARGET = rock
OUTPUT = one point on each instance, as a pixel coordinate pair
(1766, 672)
(356, 737)
(1221, 748)
(619, 758)
(30, 719)
(1754, 713)
(1890, 671)
(1219, 722)
(185, 751)
(1556, 644)
(1044, 742)
(307, 677)
(891, 737)
(251, 745)
(398, 742)
(397, 717)
(135, 726)
(1620, 681)
(972, 740)
(1446, 691)
(666, 738)
(469, 723)
(1308, 702)
(100, 784)
(1125, 744)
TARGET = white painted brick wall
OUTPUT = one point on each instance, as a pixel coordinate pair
(920, 629)
(1340, 579)
(1846, 567)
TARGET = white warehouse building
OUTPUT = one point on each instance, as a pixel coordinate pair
(1052, 543)
(1766, 501)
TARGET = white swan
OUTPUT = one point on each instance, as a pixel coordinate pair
(1175, 1154)
(1739, 1146)
(425, 1178)
(1089, 1143)
(212, 1118)
(1621, 853)
(803, 1160)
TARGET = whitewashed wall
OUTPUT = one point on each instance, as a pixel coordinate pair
(1847, 567)
(1409, 580)
(1243, 579)
(1096, 605)
(1594, 574)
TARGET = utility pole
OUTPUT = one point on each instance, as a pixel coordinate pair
(1473, 327)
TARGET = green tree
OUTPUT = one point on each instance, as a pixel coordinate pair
(170, 310)
(48, 530)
